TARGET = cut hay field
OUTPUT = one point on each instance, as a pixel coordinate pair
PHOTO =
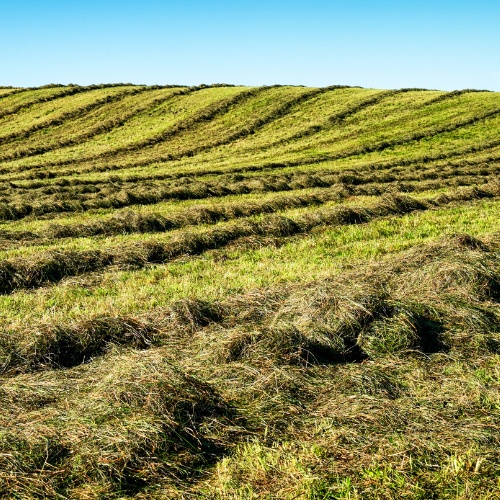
(224, 292)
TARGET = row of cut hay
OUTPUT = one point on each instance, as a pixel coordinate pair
(227, 184)
(41, 171)
(470, 156)
(14, 91)
(205, 114)
(53, 266)
(70, 115)
(182, 178)
(109, 428)
(341, 116)
(59, 198)
(434, 298)
(438, 296)
(238, 174)
(137, 222)
(246, 130)
(49, 346)
(242, 132)
(129, 221)
(109, 125)
(254, 125)
(65, 92)
(128, 422)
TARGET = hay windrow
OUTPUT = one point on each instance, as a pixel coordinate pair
(139, 419)
(66, 197)
(305, 343)
(425, 301)
(53, 266)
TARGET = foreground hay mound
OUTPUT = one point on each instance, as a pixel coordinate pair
(116, 424)
(131, 420)
(226, 292)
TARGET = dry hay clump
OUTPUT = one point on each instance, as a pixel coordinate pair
(49, 346)
(433, 298)
(134, 419)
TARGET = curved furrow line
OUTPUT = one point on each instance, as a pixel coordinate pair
(204, 115)
(269, 166)
(105, 126)
(333, 188)
(102, 128)
(68, 91)
(339, 117)
(76, 113)
(53, 266)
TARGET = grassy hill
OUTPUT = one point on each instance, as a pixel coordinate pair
(229, 292)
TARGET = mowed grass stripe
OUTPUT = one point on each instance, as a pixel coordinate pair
(247, 128)
(64, 116)
(246, 264)
(467, 157)
(48, 346)
(341, 116)
(52, 267)
(205, 114)
(104, 127)
(301, 161)
(476, 146)
(129, 221)
(24, 151)
(344, 151)
(55, 94)
(52, 200)
(6, 92)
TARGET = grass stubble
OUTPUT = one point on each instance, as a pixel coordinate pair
(376, 378)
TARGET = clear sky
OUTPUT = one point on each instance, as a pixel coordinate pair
(437, 44)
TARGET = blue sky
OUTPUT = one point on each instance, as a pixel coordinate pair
(436, 44)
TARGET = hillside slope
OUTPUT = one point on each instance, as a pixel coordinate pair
(249, 292)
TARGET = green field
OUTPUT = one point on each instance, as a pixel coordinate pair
(224, 292)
